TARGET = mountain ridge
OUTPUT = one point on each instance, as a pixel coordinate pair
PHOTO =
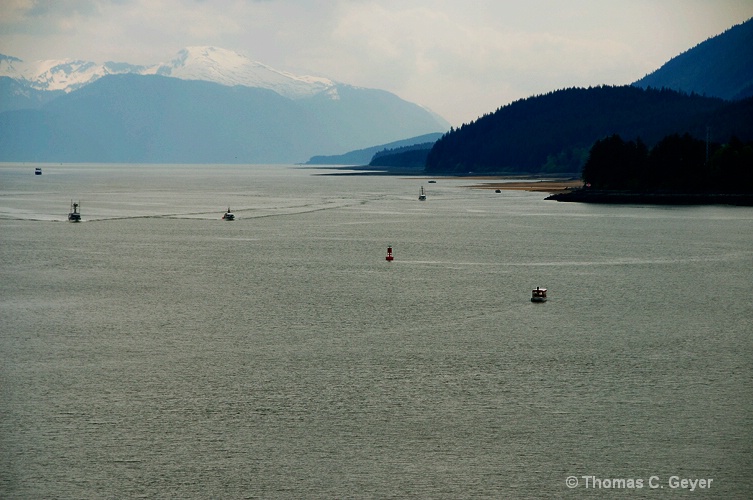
(721, 66)
(365, 155)
(238, 110)
(702, 92)
(553, 132)
(132, 118)
(205, 63)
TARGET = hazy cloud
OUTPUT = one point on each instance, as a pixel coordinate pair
(461, 59)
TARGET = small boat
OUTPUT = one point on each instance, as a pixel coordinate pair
(228, 215)
(75, 215)
(538, 295)
(422, 194)
(38, 171)
(432, 182)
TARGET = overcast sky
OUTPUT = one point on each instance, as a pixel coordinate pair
(460, 58)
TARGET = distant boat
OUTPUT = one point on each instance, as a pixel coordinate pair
(422, 194)
(432, 182)
(228, 215)
(38, 171)
(538, 295)
(75, 215)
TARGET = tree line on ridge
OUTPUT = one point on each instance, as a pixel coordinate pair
(553, 133)
(679, 163)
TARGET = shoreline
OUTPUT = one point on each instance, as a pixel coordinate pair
(512, 182)
(553, 186)
(566, 188)
(649, 198)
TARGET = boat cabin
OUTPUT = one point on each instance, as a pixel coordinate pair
(74, 215)
(538, 294)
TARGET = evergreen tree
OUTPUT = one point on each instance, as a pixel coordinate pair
(731, 166)
(679, 162)
(676, 163)
(616, 164)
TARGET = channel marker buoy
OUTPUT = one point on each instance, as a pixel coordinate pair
(389, 257)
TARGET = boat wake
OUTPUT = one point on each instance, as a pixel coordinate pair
(240, 214)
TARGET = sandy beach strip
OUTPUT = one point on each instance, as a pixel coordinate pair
(544, 186)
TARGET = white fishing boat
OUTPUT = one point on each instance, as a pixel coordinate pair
(422, 194)
(75, 215)
(228, 215)
(538, 295)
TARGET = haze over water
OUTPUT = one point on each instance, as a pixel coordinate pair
(154, 350)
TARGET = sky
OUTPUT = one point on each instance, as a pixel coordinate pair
(460, 58)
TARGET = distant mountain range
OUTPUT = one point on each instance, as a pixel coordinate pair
(210, 64)
(207, 105)
(364, 156)
(704, 92)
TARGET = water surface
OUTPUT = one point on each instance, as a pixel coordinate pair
(154, 350)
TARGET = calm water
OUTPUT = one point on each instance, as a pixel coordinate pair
(156, 351)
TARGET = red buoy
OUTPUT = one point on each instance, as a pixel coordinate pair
(389, 254)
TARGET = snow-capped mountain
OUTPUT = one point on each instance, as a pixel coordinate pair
(230, 68)
(192, 63)
(66, 74)
(206, 105)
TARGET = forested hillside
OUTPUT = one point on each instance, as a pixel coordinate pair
(366, 155)
(676, 163)
(407, 156)
(554, 132)
(721, 66)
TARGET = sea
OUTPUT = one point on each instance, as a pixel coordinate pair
(154, 350)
